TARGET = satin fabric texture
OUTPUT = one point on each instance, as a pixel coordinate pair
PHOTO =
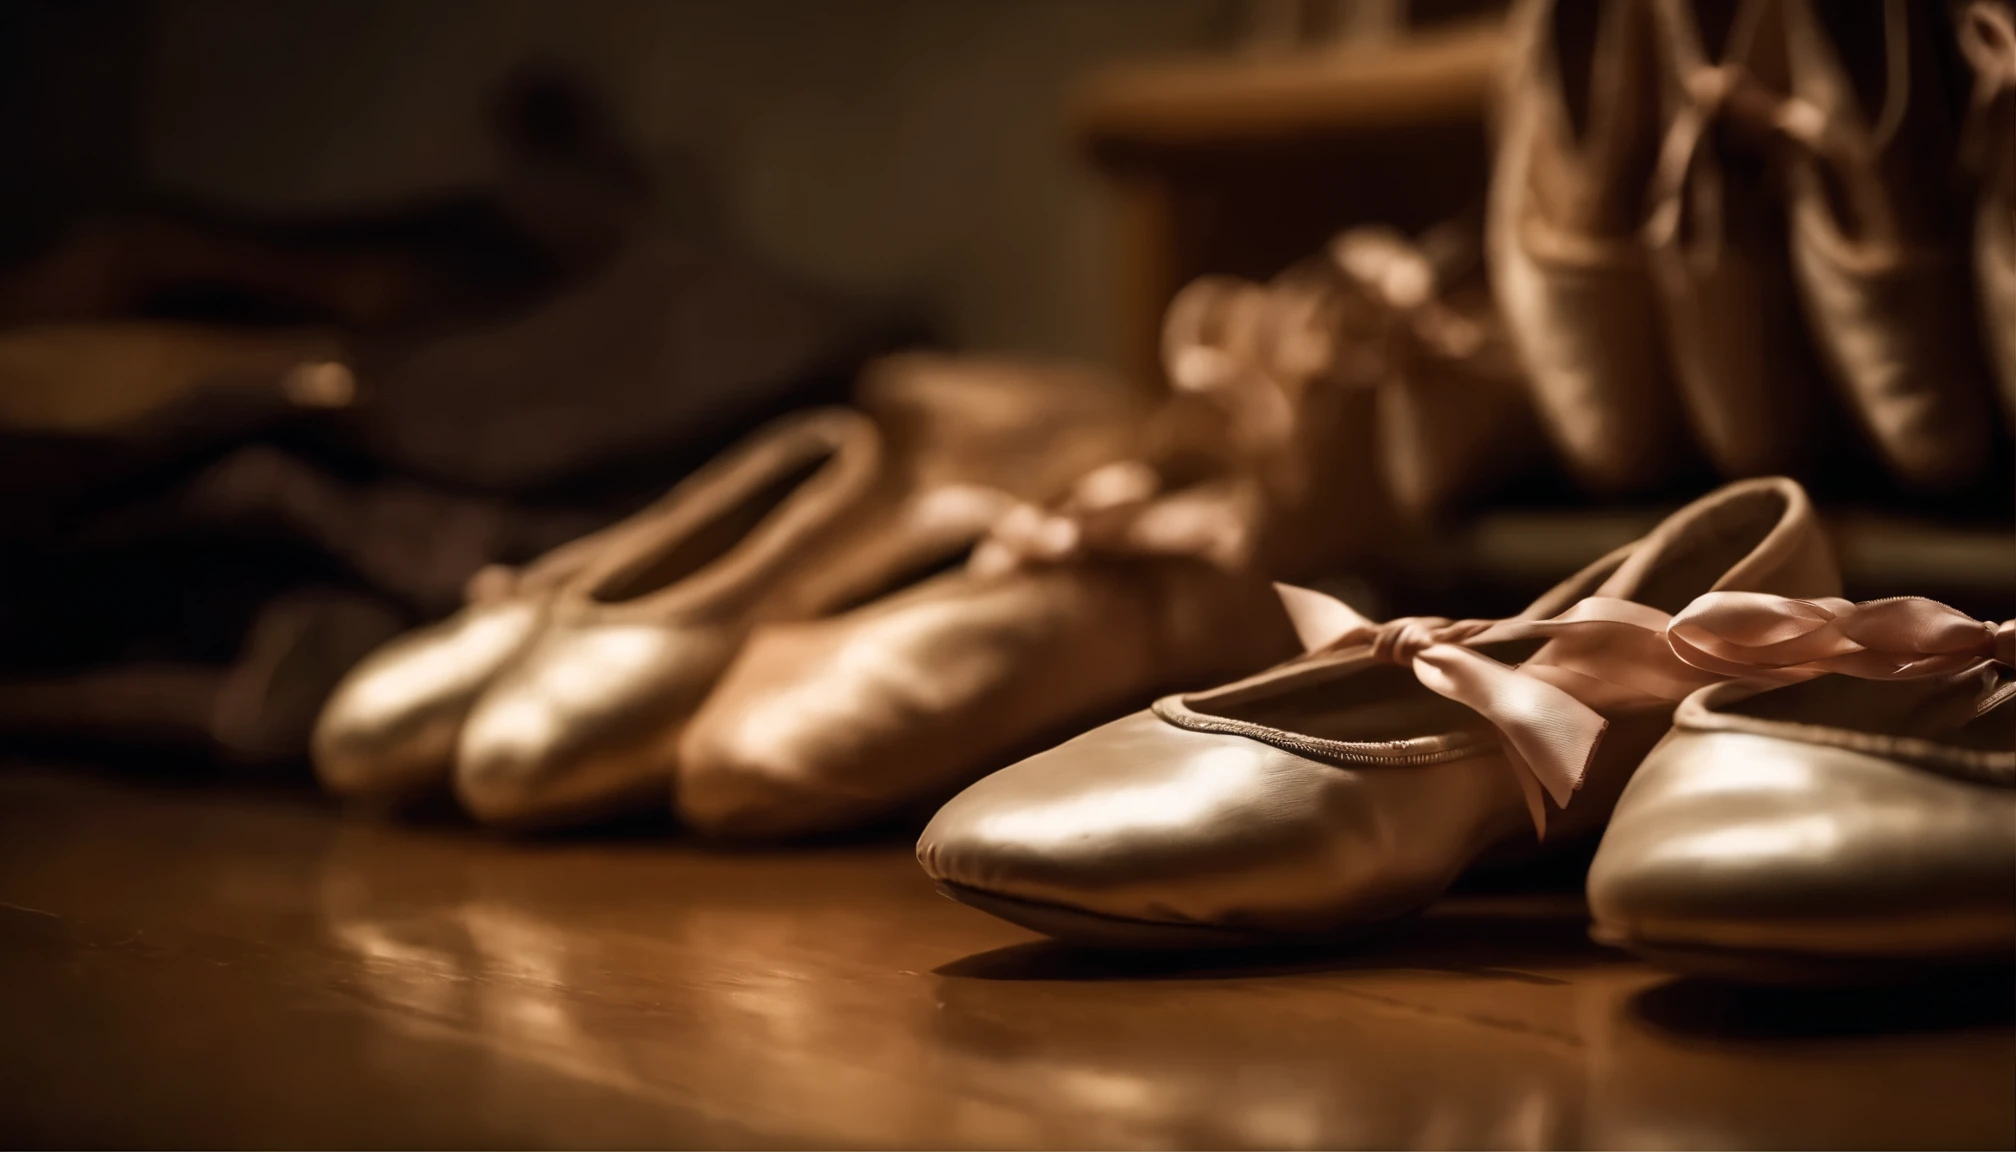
(1833, 830)
(839, 660)
(1347, 788)
(1149, 575)
(1798, 823)
(1736, 211)
(559, 694)
(1065, 614)
(1843, 810)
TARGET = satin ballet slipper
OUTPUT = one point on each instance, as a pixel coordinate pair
(1875, 257)
(951, 441)
(1405, 394)
(1368, 388)
(1575, 153)
(587, 721)
(391, 726)
(1455, 418)
(827, 725)
(1716, 241)
(1450, 435)
(1135, 584)
(1857, 825)
(1347, 788)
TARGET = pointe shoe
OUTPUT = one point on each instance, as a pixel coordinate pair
(1377, 331)
(1873, 252)
(1454, 415)
(1279, 382)
(950, 441)
(391, 726)
(1568, 269)
(827, 725)
(1070, 615)
(1988, 34)
(1370, 389)
(1832, 829)
(575, 726)
(587, 720)
(1346, 789)
(1716, 240)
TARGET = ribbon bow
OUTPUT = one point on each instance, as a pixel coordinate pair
(1123, 509)
(1608, 653)
(1360, 314)
(1602, 653)
(1758, 636)
(1370, 297)
(1252, 350)
(1731, 92)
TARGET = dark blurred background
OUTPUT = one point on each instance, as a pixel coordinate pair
(888, 148)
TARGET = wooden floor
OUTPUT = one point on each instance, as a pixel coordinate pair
(187, 967)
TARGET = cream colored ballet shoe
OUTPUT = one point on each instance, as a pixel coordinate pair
(1348, 788)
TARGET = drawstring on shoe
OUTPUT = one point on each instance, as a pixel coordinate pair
(1730, 92)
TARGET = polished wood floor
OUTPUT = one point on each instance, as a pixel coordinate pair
(183, 966)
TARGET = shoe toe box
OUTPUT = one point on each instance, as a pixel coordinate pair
(584, 725)
(391, 724)
(823, 725)
(796, 739)
(1143, 821)
(1749, 842)
(741, 781)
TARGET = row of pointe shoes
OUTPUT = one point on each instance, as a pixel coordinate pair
(762, 641)
(1734, 210)
(859, 611)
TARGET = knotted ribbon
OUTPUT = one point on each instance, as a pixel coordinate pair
(1730, 92)
(1351, 315)
(1354, 315)
(1601, 653)
(1774, 639)
(1125, 509)
(1607, 653)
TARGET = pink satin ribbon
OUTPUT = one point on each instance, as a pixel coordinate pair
(1125, 510)
(1757, 636)
(1608, 653)
(1729, 91)
(1355, 315)
(1601, 653)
